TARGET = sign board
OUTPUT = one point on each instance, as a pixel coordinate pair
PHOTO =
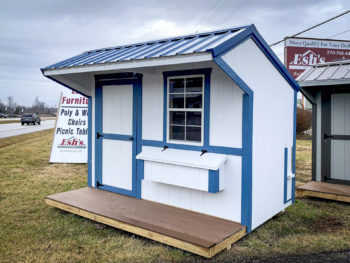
(301, 53)
(71, 131)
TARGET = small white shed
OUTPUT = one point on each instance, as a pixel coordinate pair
(203, 122)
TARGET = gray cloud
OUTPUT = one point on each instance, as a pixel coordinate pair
(34, 34)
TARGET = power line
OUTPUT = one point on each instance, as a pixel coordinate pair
(234, 10)
(206, 14)
(319, 24)
(211, 12)
(339, 33)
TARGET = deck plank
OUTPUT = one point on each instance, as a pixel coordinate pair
(199, 229)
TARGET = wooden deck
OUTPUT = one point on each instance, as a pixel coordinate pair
(194, 232)
(325, 190)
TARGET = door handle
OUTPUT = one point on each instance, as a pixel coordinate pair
(131, 138)
(98, 135)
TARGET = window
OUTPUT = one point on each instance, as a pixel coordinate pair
(185, 108)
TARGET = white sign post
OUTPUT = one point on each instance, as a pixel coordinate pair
(71, 131)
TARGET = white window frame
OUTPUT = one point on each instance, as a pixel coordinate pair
(185, 110)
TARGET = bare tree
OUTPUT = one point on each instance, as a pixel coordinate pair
(10, 103)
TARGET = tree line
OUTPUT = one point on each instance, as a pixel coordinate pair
(38, 107)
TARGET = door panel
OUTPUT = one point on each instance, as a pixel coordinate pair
(117, 163)
(117, 109)
(340, 125)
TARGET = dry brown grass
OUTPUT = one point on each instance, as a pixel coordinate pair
(30, 231)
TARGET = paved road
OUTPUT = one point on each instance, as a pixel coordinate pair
(13, 129)
(9, 119)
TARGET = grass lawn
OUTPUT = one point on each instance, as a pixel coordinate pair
(30, 231)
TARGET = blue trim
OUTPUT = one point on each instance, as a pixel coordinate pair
(252, 32)
(98, 128)
(89, 158)
(232, 42)
(117, 190)
(139, 163)
(206, 107)
(233, 75)
(213, 181)
(247, 155)
(136, 81)
(294, 145)
(285, 200)
(247, 144)
(212, 149)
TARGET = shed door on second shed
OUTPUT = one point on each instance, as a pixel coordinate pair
(340, 130)
(116, 138)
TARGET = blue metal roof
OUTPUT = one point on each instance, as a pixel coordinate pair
(197, 43)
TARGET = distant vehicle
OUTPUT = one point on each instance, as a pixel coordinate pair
(12, 115)
(30, 118)
(3, 115)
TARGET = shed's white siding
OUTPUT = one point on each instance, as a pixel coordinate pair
(225, 204)
(225, 111)
(225, 106)
(272, 127)
(225, 130)
(152, 106)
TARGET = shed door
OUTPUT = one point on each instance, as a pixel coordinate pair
(116, 117)
(340, 135)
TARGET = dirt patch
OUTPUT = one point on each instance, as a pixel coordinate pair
(327, 224)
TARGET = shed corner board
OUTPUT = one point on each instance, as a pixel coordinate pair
(174, 242)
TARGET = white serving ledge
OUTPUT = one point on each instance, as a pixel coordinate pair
(184, 168)
(208, 161)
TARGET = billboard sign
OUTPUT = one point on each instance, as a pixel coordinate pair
(71, 131)
(301, 53)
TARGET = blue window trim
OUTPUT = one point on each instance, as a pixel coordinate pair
(120, 79)
(214, 181)
(206, 107)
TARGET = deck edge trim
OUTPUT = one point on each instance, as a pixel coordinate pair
(171, 241)
(329, 196)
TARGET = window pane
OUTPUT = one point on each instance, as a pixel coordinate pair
(176, 85)
(177, 132)
(193, 134)
(194, 100)
(177, 117)
(176, 101)
(194, 118)
(194, 84)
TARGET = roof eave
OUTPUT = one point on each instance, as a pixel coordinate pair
(330, 82)
(127, 65)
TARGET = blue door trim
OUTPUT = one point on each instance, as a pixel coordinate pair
(119, 79)
(89, 181)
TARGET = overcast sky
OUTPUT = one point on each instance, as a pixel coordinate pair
(34, 34)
